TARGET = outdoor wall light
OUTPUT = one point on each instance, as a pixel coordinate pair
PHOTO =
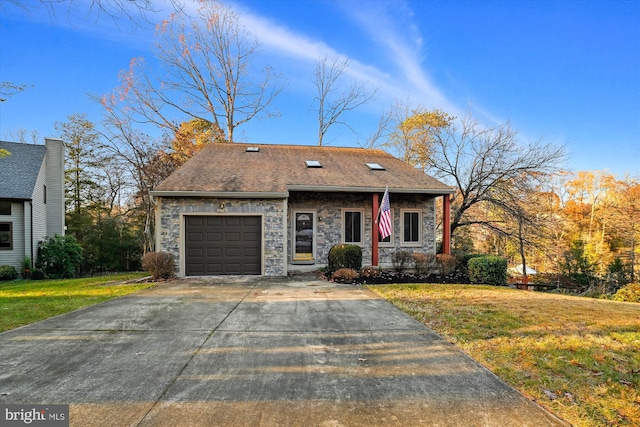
(221, 205)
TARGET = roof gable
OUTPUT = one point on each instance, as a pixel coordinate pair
(277, 169)
(19, 171)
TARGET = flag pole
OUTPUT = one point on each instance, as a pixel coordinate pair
(374, 231)
(380, 207)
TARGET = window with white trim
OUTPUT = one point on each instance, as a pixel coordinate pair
(352, 226)
(411, 227)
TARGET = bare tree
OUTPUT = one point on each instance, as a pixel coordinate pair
(24, 136)
(135, 12)
(333, 103)
(8, 89)
(381, 134)
(138, 155)
(487, 165)
(208, 74)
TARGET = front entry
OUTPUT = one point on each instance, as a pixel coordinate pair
(303, 237)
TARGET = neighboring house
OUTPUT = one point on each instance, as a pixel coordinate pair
(263, 209)
(31, 198)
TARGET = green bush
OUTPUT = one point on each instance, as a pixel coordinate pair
(38, 274)
(345, 256)
(577, 266)
(467, 257)
(8, 272)
(161, 265)
(490, 270)
(59, 257)
(628, 293)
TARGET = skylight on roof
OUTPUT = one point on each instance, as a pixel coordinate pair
(253, 149)
(375, 166)
(313, 163)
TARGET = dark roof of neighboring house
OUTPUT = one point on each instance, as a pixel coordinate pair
(19, 171)
(278, 169)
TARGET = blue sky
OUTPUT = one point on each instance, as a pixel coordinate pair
(565, 71)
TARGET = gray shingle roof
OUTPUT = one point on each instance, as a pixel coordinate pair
(19, 171)
(277, 169)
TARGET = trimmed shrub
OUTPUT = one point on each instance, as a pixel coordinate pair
(345, 275)
(161, 265)
(446, 263)
(628, 293)
(8, 272)
(467, 257)
(345, 256)
(59, 257)
(38, 274)
(490, 270)
(400, 260)
(423, 262)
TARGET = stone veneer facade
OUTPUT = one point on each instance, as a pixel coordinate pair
(277, 217)
(170, 226)
(329, 208)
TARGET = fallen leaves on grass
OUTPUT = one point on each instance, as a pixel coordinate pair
(542, 344)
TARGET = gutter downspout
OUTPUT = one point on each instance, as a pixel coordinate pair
(31, 232)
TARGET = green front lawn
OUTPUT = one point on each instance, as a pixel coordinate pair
(578, 357)
(27, 301)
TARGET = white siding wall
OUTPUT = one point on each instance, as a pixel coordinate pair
(54, 161)
(39, 210)
(35, 220)
(30, 249)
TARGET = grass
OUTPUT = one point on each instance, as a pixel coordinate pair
(577, 357)
(26, 301)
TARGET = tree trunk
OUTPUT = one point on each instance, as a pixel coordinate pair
(525, 277)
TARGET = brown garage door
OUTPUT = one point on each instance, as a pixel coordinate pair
(222, 245)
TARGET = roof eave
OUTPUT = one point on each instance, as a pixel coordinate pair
(284, 195)
(16, 199)
(222, 194)
(348, 189)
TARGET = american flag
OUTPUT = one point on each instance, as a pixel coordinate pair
(385, 224)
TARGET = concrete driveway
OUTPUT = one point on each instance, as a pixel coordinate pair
(253, 352)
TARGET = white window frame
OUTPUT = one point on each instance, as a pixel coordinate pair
(344, 223)
(402, 225)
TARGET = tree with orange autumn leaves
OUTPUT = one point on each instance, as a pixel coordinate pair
(514, 199)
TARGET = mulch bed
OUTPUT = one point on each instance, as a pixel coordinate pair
(386, 277)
